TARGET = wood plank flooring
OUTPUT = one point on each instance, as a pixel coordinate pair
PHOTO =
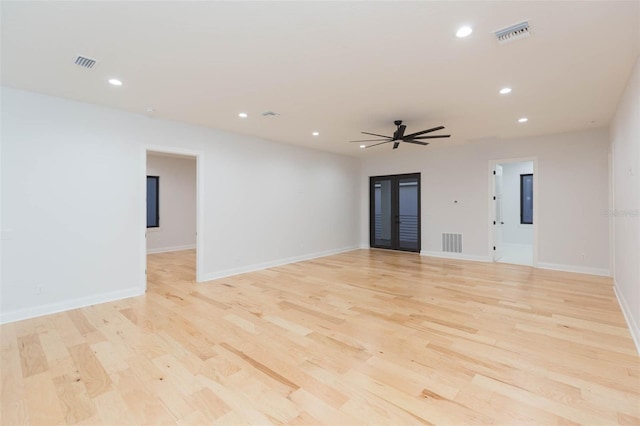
(365, 337)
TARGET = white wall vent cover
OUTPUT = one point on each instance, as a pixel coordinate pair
(451, 243)
(513, 33)
(85, 62)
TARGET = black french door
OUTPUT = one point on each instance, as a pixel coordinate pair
(395, 212)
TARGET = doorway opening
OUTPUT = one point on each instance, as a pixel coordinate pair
(514, 211)
(395, 212)
(172, 216)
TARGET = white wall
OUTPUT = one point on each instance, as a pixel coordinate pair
(72, 201)
(513, 232)
(177, 230)
(69, 220)
(625, 150)
(572, 184)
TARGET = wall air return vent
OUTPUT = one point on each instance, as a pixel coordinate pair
(513, 33)
(85, 62)
(451, 243)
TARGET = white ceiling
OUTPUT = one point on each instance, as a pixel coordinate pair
(335, 67)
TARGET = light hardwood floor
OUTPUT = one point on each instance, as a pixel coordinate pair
(365, 337)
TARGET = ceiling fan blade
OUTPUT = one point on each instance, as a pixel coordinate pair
(424, 131)
(372, 140)
(395, 145)
(417, 142)
(375, 134)
(376, 144)
(431, 137)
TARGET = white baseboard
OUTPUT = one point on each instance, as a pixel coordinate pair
(578, 269)
(274, 263)
(555, 267)
(456, 256)
(168, 249)
(634, 329)
(54, 308)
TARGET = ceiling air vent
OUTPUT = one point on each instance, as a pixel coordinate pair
(85, 62)
(513, 33)
(269, 114)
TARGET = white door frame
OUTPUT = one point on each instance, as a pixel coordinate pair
(497, 225)
(199, 156)
(536, 201)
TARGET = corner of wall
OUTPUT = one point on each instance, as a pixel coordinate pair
(273, 263)
(577, 269)
(634, 329)
(54, 308)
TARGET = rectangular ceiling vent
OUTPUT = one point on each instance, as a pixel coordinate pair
(85, 62)
(513, 33)
(269, 114)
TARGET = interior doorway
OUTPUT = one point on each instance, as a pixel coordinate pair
(395, 212)
(513, 212)
(172, 214)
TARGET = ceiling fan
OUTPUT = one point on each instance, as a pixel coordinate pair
(399, 136)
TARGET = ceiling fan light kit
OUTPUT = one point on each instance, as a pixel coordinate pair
(399, 136)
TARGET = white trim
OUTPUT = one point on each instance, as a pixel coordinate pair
(488, 259)
(273, 263)
(579, 269)
(612, 200)
(200, 180)
(143, 219)
(457, 256)
(634, 329)
(53, 308)
(170, 249)
(536, 202)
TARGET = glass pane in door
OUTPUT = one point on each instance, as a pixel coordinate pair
(382, 226)
(526, 199)
(408, 214)
(153, 217)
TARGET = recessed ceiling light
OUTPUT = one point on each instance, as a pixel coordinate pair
(243, 115)
(523, 120)
(464, 31)
(315, 133)
(115, 82)
(505, 90)
(363, 146)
